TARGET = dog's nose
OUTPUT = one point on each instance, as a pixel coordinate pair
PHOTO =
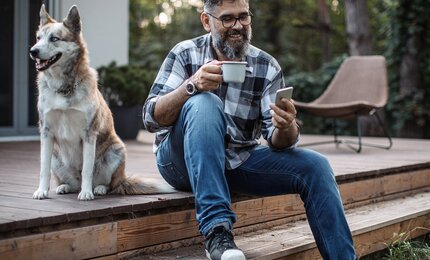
(34, 52)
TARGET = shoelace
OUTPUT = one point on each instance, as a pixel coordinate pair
(223, 239)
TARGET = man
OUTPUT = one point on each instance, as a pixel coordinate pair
(208, 131)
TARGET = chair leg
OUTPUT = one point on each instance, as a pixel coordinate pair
(335, 135)
(360, 144)
(348, 143)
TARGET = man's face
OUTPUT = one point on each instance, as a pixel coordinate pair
(232, 42)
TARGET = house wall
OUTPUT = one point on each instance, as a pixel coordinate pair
(105, 27)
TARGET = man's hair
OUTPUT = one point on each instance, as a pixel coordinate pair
(209, 5)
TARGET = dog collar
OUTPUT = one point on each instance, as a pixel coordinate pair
(66, 92)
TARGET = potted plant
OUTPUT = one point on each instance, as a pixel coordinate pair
(125, 88)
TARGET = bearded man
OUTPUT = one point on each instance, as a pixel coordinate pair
(208, 135)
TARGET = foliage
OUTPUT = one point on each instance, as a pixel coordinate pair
(150, 38)
(407, 19)
(404, 249)
(291, 32)
(126, 85)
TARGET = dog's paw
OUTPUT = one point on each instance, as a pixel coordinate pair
(85, 195)
(40, 194)
(100, 190)
(63, 189)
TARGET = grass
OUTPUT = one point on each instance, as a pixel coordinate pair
(402, 248)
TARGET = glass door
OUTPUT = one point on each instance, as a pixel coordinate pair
(6, 63)
(18, 91)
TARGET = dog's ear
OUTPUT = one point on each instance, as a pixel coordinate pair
(73, 20)
(44, 16)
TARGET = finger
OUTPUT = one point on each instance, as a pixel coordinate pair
(281, 120)
(281, 115)
(287, 106)
(290, 106)
(211, 79)
(212, 68)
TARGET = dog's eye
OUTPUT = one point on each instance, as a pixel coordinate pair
(54, 39)
(37, 37)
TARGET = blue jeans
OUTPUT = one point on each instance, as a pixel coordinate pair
(192, 157)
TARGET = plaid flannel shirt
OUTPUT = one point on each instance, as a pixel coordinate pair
(246, 105)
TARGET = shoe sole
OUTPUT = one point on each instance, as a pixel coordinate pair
(231, 254)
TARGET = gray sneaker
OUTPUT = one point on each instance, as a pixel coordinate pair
(219, 245)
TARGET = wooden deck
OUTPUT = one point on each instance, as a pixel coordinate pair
(114, 221)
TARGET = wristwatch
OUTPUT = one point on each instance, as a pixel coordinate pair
(191, 88)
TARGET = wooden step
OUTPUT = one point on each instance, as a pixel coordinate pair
(372, 227)
(113, 226)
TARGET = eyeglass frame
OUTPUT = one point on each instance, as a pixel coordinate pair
(235, 19)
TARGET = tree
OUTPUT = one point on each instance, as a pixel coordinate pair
(409, 57)
(324, 23)
(357, 27)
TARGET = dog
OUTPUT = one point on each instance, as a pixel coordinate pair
(79, 145)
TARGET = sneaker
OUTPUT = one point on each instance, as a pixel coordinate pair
(219, 245)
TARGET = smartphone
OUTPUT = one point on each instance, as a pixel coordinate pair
(283, 93)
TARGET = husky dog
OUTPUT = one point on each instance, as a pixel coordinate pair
(78, 140)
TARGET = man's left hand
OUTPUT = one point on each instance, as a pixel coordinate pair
(283, 116)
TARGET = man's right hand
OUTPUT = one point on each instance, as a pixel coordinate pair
(209, 76)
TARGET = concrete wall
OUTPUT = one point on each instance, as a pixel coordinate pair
(105, 27)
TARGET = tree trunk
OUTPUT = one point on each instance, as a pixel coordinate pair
(360, 43)
(275, 27)
(409, 83)
(325, 29)
(357, 27)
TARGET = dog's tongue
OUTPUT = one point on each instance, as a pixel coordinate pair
(41, 64)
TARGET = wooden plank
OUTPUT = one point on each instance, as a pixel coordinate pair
(389, 184)
(153, 230)
(376, 240)
(267, 209)
(20, 166)
(80, 243)
(371, 225)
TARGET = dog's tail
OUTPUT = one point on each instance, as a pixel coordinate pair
(135, 185)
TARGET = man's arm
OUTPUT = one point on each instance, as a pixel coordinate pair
(168, 106)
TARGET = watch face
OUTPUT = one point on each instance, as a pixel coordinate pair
(191, 90)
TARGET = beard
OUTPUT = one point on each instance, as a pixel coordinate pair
(232, 49)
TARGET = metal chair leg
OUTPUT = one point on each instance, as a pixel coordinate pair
(360, 144)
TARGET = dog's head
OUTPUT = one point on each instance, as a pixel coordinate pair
(56, 41)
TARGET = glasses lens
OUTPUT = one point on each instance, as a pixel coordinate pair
(228, 21)
(245, 19)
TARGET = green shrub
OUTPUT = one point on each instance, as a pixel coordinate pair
(404, 249)
(125, 85)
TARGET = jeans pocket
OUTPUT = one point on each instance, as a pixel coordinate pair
(173, 176)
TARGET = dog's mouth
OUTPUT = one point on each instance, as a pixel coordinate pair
(45, 64)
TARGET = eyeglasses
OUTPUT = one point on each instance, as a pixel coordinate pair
(229, 21)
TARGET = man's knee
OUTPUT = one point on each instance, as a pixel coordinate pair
(204, 106)
(205, 99)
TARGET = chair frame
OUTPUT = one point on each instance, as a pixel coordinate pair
(359, 88)
(359, 143)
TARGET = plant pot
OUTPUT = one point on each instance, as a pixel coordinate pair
(127, 121)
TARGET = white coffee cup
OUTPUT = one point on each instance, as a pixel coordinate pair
(233, 71)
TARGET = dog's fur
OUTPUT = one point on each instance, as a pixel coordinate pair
(78, 140)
